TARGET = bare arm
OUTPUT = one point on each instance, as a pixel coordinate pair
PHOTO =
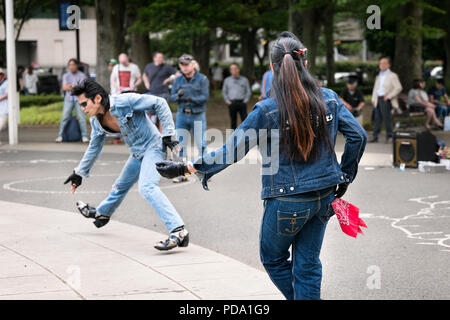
(146, 81)
(349, 107)
(138, 82)
(114, 79)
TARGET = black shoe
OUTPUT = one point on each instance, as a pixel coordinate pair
(90, 212)
(371, 140)
(100, 221)
(388, 140)
(177, 238)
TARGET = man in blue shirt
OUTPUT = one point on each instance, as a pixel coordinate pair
(191, 91)
(437, 93)
(266, 84)
(69, 81)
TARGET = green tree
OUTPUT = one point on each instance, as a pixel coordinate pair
(111, 30)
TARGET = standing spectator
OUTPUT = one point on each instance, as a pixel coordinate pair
(352, 97)
(217, 76)
(384, 97)
(3, 100)
(266, 84)
(236, 93)
(418, 101)
(126, 76)
(437, 93)
(111, 63)
(191, 91)
(20, 72)
(70, 80)
(30, 80)
(157, 76)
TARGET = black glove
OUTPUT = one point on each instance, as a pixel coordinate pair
(340, 190)
(76, 179)
(167, 142)
(183, 96)
(181, 92)
(171, 169)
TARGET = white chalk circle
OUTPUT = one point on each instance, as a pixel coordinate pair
(13, 185)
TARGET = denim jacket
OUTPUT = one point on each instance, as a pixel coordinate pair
(137, 130)
(282, 176)
(197, 89)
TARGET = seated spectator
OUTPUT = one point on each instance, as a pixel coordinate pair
(418, 101)
(352, 97)
(439, 97)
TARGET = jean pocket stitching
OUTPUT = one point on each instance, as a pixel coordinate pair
(293, 216)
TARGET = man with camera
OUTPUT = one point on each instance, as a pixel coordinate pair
(191, 91)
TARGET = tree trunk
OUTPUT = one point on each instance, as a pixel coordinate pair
(140, 51)
(415, 55)
(110, 35)
(139, 43)
(408, 43)
(309, 32)
(447, 55)
(401, 55)
(248, 47)
(447, 43)
(201, 47)
(329, 41)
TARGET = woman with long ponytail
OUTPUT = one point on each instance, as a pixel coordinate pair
(301, 175)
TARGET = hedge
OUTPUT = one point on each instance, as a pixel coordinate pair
(39, 100)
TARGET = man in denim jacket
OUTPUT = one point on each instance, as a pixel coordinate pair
(191, 91)
(126, 114)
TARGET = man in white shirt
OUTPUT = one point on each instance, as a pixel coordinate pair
(384, 97)
(126, 76)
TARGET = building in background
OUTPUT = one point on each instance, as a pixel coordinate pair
(41, 41)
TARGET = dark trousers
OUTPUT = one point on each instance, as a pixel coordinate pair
(237, 107)
(383, 113)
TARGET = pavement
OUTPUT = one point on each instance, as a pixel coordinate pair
(51, 252)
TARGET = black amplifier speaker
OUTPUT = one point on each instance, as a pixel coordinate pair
(413, 146)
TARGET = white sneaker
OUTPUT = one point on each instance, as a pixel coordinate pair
(59, 139)
(85, 140)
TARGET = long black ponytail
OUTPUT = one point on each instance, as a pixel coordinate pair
(300, 101)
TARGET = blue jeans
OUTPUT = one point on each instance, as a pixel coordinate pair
(297, 222)
(191, 122)
(144, 171)
(441, 110)
(67, 113)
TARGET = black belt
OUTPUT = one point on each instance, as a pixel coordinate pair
(239, 101)
(189, 111)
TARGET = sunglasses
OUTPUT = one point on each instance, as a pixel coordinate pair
(83, 104)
